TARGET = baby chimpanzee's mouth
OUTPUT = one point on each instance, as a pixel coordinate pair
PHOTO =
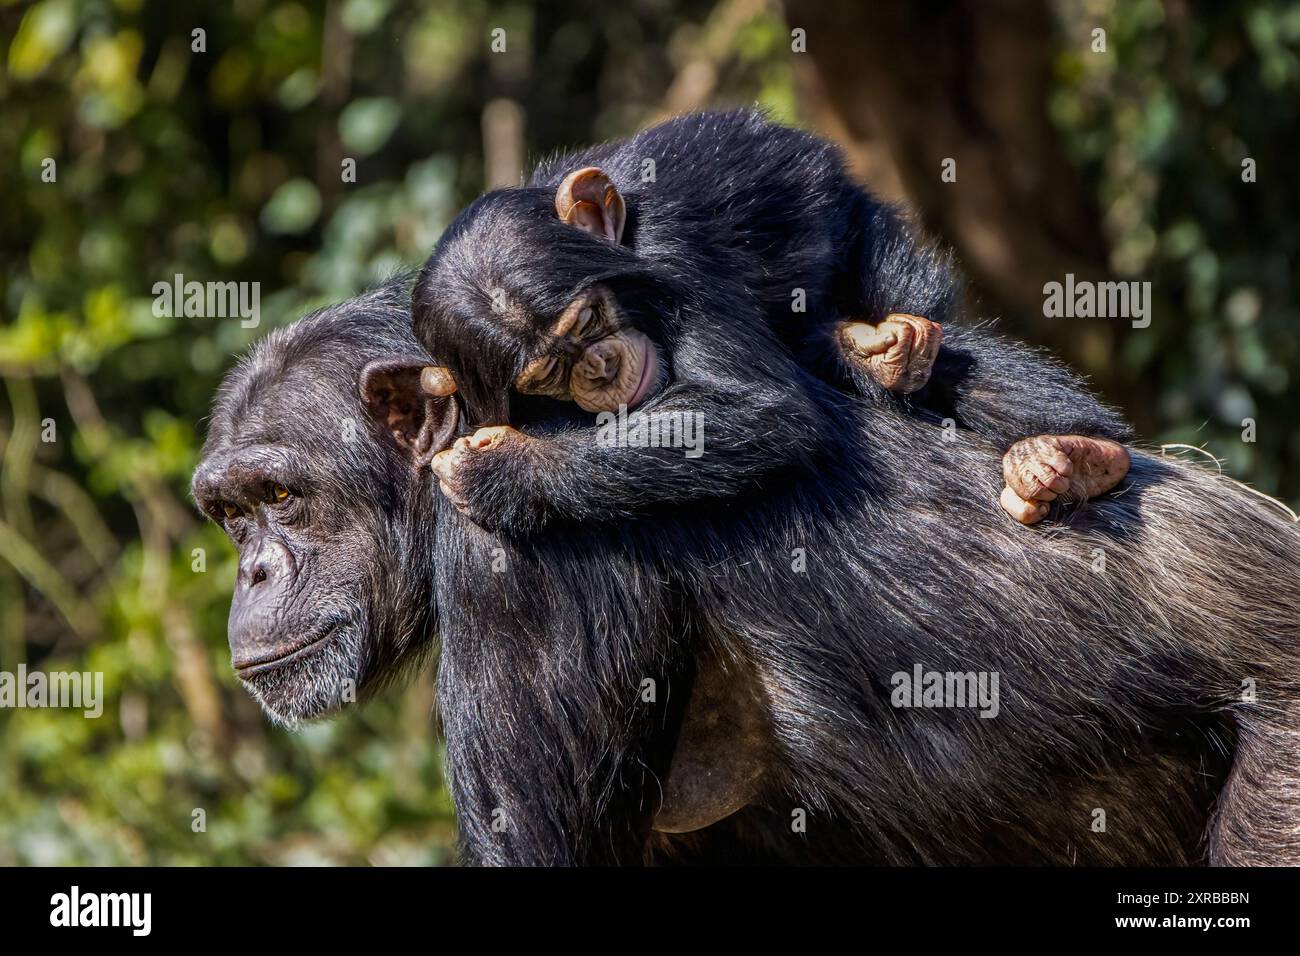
(649, 374)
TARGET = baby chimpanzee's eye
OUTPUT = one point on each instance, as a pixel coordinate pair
(542, 376)
(553, 375)
(583, 320)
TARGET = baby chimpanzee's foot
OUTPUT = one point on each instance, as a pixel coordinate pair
(898, 352)
(1038, 470)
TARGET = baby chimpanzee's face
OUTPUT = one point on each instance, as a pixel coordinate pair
(535, 292)
(595, 358)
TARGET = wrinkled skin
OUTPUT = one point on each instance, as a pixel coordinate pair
(898, 352)
(1041, 469)
(594, 358)
(320, 486)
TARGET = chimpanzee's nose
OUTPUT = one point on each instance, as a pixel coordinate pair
(265, 562)
(254, 572)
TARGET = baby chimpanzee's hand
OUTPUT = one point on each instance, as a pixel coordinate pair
(483, 475)
(899, 352)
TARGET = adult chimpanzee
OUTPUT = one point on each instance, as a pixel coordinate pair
(1145, 651)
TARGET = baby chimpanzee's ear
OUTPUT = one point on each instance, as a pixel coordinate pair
(413, 402)
(588, 200)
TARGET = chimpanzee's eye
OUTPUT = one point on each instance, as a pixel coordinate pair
(277, 492)
(555, 373)
(580, 326)
(230, 510)
(545, 376)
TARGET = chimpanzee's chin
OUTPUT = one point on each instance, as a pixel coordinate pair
(312, 685)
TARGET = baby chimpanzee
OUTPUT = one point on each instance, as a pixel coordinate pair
(737, 257)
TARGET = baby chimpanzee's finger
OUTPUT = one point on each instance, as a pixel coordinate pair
(437, 381)
(1026, 512)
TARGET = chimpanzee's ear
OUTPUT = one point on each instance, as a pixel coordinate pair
(588, 200)
(413, 401)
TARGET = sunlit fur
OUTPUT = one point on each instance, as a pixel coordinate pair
(1122, 686)
(1122, 689)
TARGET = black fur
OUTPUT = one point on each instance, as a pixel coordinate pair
(713, 250)
(740, 214)
(1122, 689)
(772, 209)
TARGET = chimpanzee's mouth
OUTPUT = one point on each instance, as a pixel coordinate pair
(246, 669)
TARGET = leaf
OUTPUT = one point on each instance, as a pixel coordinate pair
(365, 124)
(45, 32)
(293, 208)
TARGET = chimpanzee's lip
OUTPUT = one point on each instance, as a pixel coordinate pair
(261, 665)
(649, 372)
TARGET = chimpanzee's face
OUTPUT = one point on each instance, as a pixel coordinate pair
(533, 292)
(315, 468)
(298, 619)
(593, 357)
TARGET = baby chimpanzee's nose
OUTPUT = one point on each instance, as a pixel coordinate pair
(600, 363)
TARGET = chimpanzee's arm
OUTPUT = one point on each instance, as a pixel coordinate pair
(746, 413)
(999, 388)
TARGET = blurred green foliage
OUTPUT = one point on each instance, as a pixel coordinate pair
(1164, 124)
(223, 161)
